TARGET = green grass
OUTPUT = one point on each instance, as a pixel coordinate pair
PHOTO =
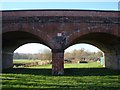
(23, 61)
(83, 65)
(90, 76)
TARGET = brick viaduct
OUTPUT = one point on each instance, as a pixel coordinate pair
(59, 29)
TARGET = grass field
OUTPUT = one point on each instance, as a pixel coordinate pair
(23, 61)
(90, 76)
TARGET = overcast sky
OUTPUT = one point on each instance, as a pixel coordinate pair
(57, 4)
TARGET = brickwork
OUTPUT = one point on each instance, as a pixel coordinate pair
(7, 60)
(59, 29)
(57, 62)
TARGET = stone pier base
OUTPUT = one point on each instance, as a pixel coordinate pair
(7, 60)
(57, 62)
(112, 61)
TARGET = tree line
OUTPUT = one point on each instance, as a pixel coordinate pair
(83, 55)
(47, 55)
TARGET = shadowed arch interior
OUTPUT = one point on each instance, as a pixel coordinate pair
(103, 41)
(13, 40)
(108, 43)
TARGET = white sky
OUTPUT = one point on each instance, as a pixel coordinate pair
(57, 4)
(35, 48)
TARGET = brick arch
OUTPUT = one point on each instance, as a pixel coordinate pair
(12, 40)
(101, 40)
(108, 43)
(15, 39)
(80, 31)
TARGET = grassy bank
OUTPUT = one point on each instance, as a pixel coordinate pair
(90, 76)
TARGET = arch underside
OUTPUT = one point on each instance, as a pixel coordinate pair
(15, 39)
(108, 43)
(105, 42)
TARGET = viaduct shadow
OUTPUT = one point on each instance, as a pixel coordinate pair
(68, 71)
